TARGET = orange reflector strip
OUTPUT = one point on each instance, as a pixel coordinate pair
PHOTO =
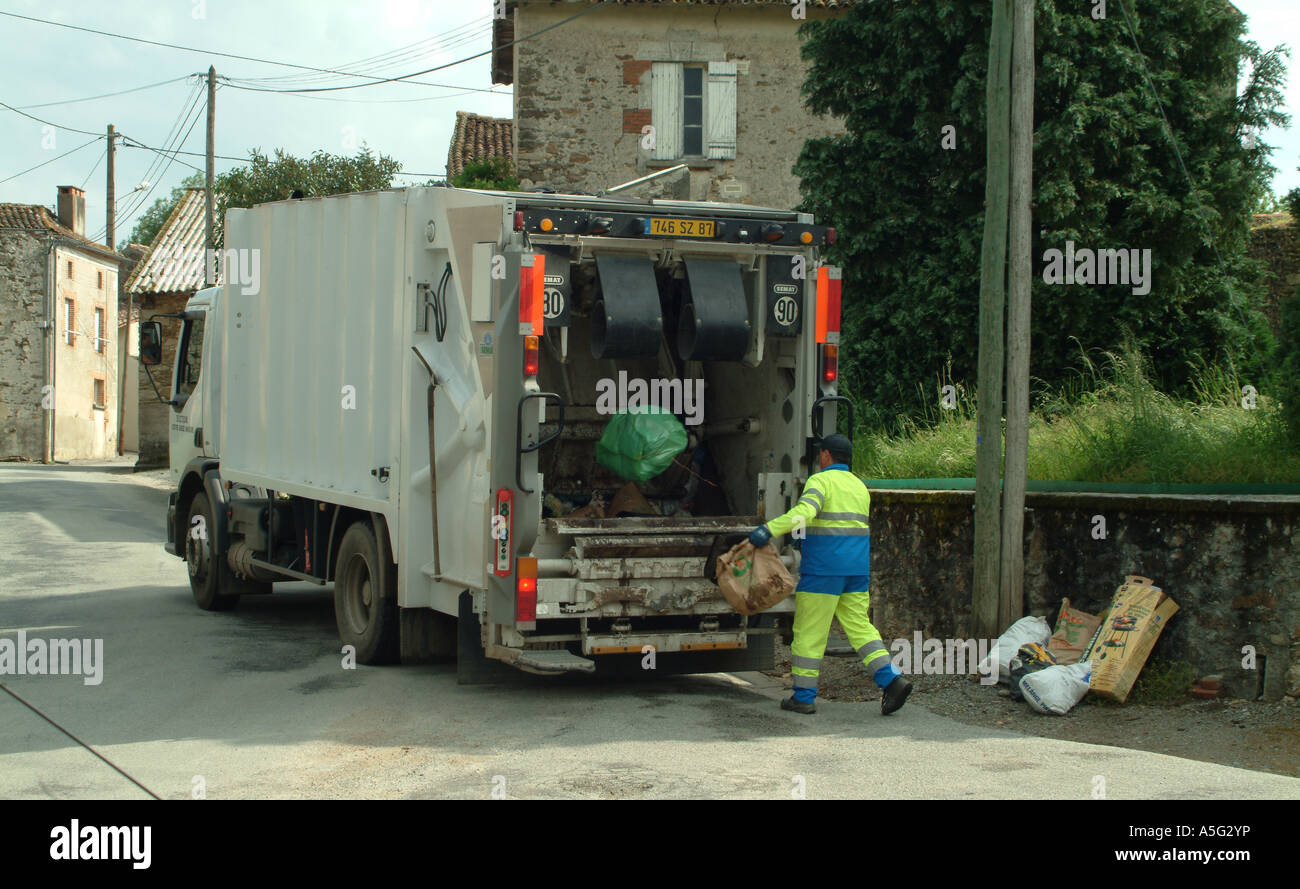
(710, 646)
(823, 302)
(532, 299)
(617, 649)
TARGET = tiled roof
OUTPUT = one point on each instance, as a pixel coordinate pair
(175, 260)
(39, 220)
(478, 137)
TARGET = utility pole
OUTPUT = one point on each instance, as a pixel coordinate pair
(988, 450)
(110, 236)
(110, 193)
(209, 272)
(1011, 602)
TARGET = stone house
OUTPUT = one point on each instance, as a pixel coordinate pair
(58, 334)
(642, 85)
(161, 283)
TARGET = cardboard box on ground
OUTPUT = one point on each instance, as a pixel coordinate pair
(1122, 642)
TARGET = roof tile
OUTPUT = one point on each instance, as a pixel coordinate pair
(478, 137)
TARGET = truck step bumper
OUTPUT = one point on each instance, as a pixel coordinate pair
(547, 662)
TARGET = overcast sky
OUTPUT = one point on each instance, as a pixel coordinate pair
(43, 64)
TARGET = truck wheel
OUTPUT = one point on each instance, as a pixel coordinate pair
(209, 576)
(365, 598)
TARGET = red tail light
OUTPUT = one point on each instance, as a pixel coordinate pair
(526, 589)
(519, 220)
(530, 356)
(831, 235)
(830, 363)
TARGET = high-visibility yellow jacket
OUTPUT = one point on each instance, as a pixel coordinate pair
(833, 509)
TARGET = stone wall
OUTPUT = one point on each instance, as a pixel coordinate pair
(582, 94)
(1275, 241)
(155, 416)
(22, 345)
(1231, 563)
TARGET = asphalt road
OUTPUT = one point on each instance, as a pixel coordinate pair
(255, 702)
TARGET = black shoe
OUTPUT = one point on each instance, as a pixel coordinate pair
(895, 695)
(791, 704)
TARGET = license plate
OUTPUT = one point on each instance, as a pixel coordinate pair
(682, 228)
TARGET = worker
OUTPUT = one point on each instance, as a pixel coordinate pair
(834, 577)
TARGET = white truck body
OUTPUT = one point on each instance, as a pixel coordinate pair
(341, 320)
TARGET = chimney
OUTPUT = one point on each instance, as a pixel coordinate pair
(72, 209)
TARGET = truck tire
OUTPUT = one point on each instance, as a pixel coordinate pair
(210, 577)
(365, 598)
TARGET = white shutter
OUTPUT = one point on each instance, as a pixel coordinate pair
(720, 110)
(666, 109)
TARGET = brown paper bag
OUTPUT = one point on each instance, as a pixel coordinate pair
(753, 580)
(1074, 628)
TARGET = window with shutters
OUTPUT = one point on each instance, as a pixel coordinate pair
(99, 330)
(69, 322)
(99, 392)
(693, 110)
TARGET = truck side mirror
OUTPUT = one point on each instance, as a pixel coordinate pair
(150, 343)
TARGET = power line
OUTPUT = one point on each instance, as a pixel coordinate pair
(187, 108)
(46, 122)
(299, 95)
(404, 77)
(126, 214)
(221, 157)
(152, 173)
(53, 159)
(134, 89)
(367, 65)
(227, 55)
(98, 161)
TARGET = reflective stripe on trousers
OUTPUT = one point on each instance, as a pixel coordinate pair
(812, 625)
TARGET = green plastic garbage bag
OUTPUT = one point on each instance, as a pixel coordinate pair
(638, 446)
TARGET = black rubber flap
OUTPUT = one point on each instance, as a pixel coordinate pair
(714, 322)
(626, 321)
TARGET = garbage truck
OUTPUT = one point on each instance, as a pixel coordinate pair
(403, 393)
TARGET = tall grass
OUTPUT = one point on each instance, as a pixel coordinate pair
(1108, 424)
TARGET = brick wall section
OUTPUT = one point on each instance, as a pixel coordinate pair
(632, 71)
(22, 345)
(635, 118)
(579, 90)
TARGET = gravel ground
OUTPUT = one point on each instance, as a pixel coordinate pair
(1246, 734)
